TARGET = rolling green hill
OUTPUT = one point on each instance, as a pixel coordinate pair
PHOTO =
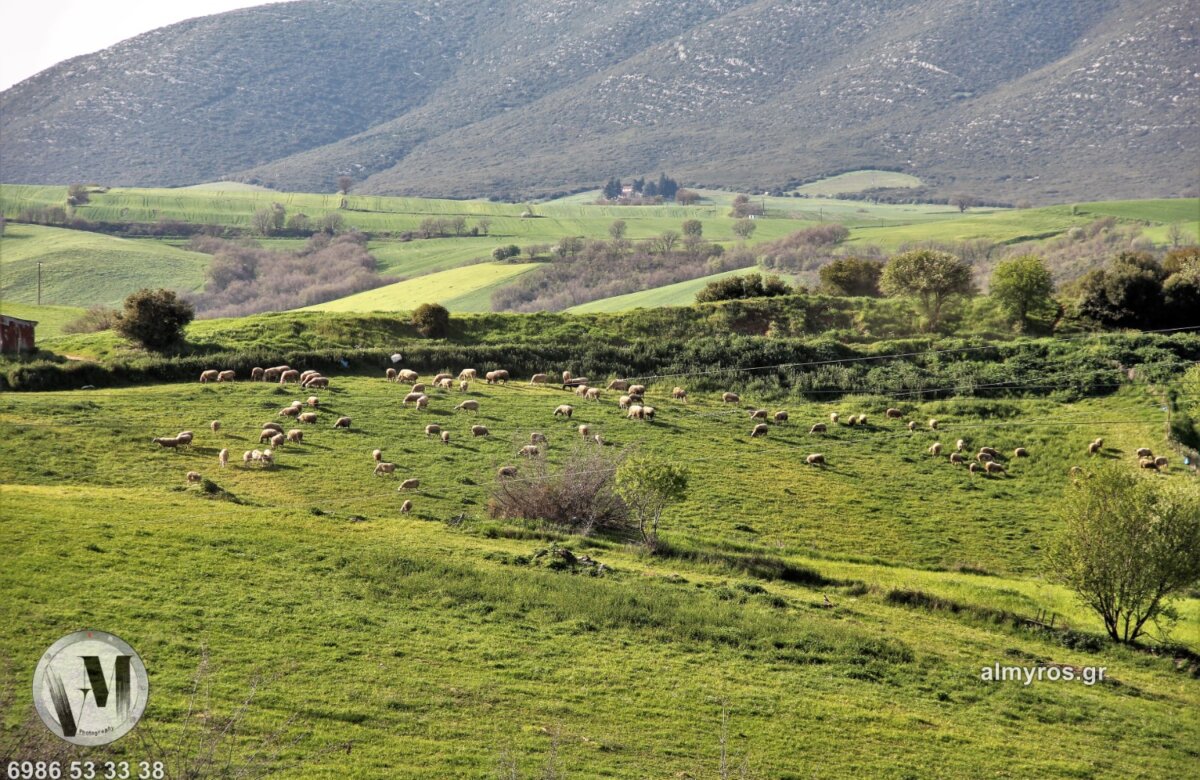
(858, 181)
(82, 269)
(458, 289)
(785, 600)
(678, 294)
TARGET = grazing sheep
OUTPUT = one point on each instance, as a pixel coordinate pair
(1095, 447)
(268, 434)
(480, 430)
(309, 372)
(759, 430)
(537, 437)
(730, 398)
(413, 397)
(780, 417)
(852, 420)
(974, 468)
(406, 507)
(271, 374)
(566, 377)
(564, 411)
(960, 445)
(390, 374)
(1020, 452)
(252, 456)
(1161, 462)
(862, 419)
(912, 425)
(467, 374)
(422, 402)
(419, 387)
(648, 412)
(267, 460)
(409, 484)
(992, 467)
(679, 394)
(933, 425)
(624, 402)
(585, 431)
(540, 379)
(637, 390)
(342, 422)
(273, 425)
(818, 428)
(496, 377)
(833, 417)
(957, 459)
(166, 442)
(995, 453)
(291, 375)
(289, 411)
(758, 414)
(598, 439)
(469, 405)
(444, 384)
(184, 438)
(581, 389)
(442, 376)
(506, 471)
(407, 375)
(1144, 452)
(318, 383)
(619, 384)
(432, 428)
(893, 414)
(314, 402)
(226, 376)
(634, 413)
(256, 374)
(209, 376)
(295, 436)
(214, 426)
(1075, 471)
(984, 457)
(463, 385)
(377, 455)
(816, 459)
(193, 476)
(223, 458)
(278, 440)
(935, 449)
(592, 394)
(308, 417)
(1148, 463)
(445, 437)
(528, 451)
(384, 467)
(296, 404)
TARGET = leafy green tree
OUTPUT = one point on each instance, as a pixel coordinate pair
(1181, 297)
(502, 253)
(617, 229)
(332, 223)
(851, 276)
(693, 228)
(612, 189)
(1128, 293)
(929, 276)
(1128, 544)
(432, 320)
(744, 228)
(738, 287)
(666, 241)
(1024, 288)
(648, 486)
(154, 318)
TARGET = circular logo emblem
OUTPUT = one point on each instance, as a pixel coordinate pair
(90, 688)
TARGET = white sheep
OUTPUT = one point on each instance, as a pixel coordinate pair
(432, 428)
(564, 410)
(314, 402)
(957, 459)
(384, 467)
(463, 386)
(409, 484)
(422, 402)
(933, 425)
(480, 430)
(818, 428)
(342, 422)
(540, 379)
(893, 414)
(624, 402)
(960, 445)
(585, 431)
(390, 374)
(469, 405)
(780, 417)
(193, 476)
(935, 449)
(816, 459)
(407, 375)
(730, 398)
(223, 457)
(291, 375)
(506, 471)
(679, 394)
(308, 417)
(618, 384)
(377, 456)
(1144, 452)
(833, 417)
(445, 437)
(214, 426)
(209, 375)
(467, 374)
(295, 436)
(592, 394)
(528, 451)
(537, 437)
(273, 426)
(759, 430)
(406, 507)
(758, 414)
(278, 440)
(413, 397)
(1020, 452)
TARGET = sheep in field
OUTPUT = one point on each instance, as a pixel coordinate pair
(384, 467)
(974, 468)
(566, 377)
(247, 456)
(592, 394)
(537, 437)
(818, 428)
(852, 420)
(960, 445)
(432, 429)
(314, 402)
(581, 390)
(893, 414)
(193, 477)
(648, 412)
(679, 394)
(759, 430)
(390, 374)
(1144, 452)
(619, 384)
(1161, 462)
(957, 459)
(496, 377)
(318, 382)
(166, 442)
(308, 417)
(984, 457)
(862, 419)
(463, 385)
(296, 404)
(1095, 446)
(598, 439)
(268, 434)
(469, 405)
(278, 440)
(758, 414)
(419, 387)
(780, 417)
(1148, 463)
(816, 459)
(342, 422)
(289, 411)
(377, 456)
(295, 436)
(935, 449)
(406, 507)
(274, 426)
(995, 453)
(407, 375)
(912, 425)
(506, 471)
(444, 384)
(564, 411)
(445, 437)
(209, 376)
(442, 376)
(992, 467)
(624, 402)
(267, 459)
(1020, 452)
(540, 379)
(933, 425)
(480, 430)
(413, 397)
(528, 451)
(291, 375)
(271, 374)
(833, 417)
(226, 376)
(634, 413)
(214, 426)
(730, 398)
(584, 431)
(256, 374)
(307, 374)
(409, 484)
(422, 402)
(184, 438)
(637, 390)
(467, 374)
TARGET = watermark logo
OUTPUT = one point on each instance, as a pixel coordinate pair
(90, 688)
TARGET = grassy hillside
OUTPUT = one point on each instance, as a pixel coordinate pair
(678, 294)
(442, 646)
(81, 268)
(50, 319)
(858, 181)
(457, 289)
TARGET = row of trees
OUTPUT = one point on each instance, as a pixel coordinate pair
(665, 187)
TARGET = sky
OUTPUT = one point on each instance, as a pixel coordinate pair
(35, 35)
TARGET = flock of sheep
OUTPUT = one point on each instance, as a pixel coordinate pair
(631, 401)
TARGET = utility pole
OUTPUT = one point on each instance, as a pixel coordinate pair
(39, 284)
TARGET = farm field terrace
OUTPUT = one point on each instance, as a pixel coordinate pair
(443, 647)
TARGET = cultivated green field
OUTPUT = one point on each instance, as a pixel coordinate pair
(858, 181)
(83, 269)
(678, 294)
(437, 644)
(459, 289)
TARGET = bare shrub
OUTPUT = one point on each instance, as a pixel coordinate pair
(577, 496)
(94, 320)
